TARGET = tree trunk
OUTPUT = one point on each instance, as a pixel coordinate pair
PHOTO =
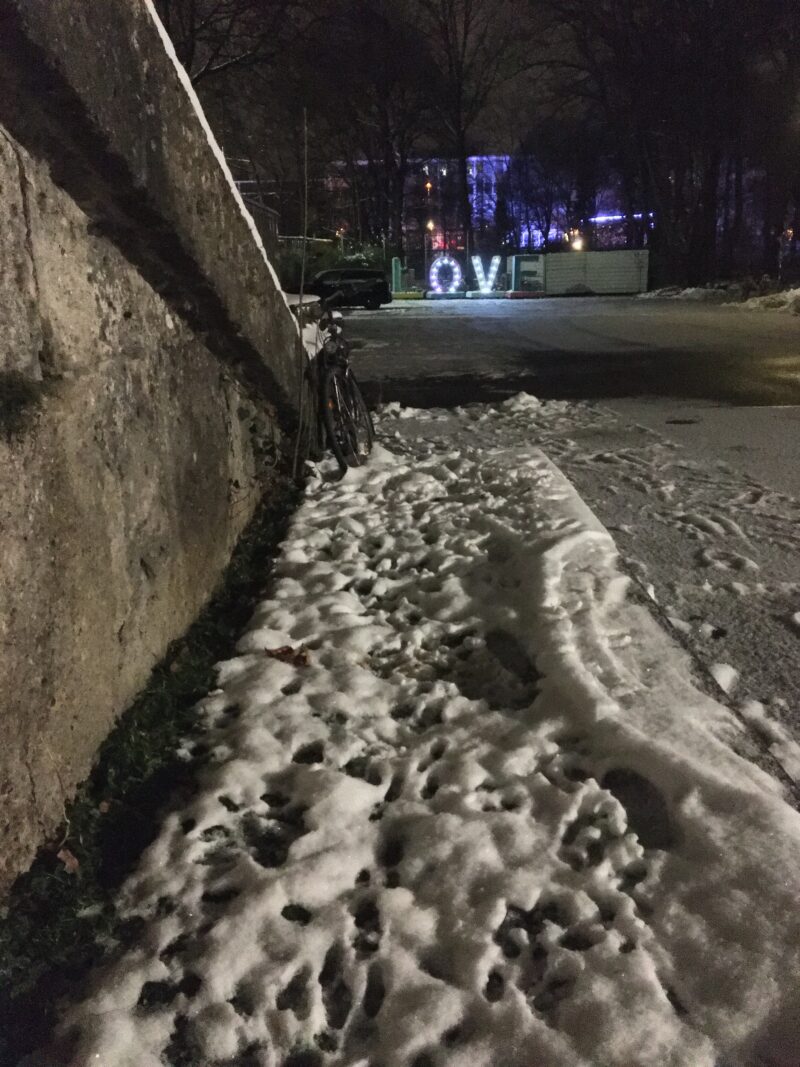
(776, 199)
(465, 204)
(738, 211)
(726, 256)
(398, 201)
(703, 239)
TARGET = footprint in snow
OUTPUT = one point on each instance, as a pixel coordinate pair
(645, 807)
(723, 560)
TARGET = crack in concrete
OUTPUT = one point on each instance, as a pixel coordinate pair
(35, 798)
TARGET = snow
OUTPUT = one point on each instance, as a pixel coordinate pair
(490, 821)
(312, 334)
(785, 749)
(725, 676)
(788, 301)
(312, 338)
(698, 294)
(701, 535)
(761, 441)
(185, 81)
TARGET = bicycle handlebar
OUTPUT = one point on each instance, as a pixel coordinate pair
(332, 300)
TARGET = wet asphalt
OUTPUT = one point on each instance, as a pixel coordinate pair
(456, 352)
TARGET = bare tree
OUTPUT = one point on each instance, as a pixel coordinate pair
(215, 36)
(367, 79)
(680, 84)
(478, 45)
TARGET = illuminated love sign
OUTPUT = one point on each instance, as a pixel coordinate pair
(486, 284)
(440, 264)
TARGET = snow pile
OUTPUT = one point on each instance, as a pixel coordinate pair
(462, 806)
(787, 301)
(699, 294)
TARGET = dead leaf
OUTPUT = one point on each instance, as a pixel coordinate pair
(298, 657)
(70, 862)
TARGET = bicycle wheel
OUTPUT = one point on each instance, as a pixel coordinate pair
(336, 414)
(362, 420)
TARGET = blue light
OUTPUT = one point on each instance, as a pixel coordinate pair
(619, 218)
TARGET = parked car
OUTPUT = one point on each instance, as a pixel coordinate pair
(359, 286)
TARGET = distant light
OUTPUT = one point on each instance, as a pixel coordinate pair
(431, 225)
(486, 284)
(619, 218)
(435, 279)
(429, 186)
(577, 244)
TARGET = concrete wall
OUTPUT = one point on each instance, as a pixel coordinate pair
(146, 361)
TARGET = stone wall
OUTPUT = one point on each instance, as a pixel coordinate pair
(149, 377)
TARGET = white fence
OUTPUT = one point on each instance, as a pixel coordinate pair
(562, 273)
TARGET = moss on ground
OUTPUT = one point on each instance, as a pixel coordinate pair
(58, 924)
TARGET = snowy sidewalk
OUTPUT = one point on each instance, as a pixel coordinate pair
(485, 821)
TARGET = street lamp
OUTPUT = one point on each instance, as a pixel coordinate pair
(430, 226)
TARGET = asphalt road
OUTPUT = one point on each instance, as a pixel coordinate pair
(456, 352)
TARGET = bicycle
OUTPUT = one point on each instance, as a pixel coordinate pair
(344, 414)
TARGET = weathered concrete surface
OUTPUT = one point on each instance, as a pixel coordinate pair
(90, 88)
(166, 373)
(20, 320)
